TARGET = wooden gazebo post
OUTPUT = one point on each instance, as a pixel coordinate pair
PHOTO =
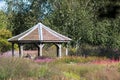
(59, 50)
(40, 46)
(66, 49)
(13, 49)
(20, 50)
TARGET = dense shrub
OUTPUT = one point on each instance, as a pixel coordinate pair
(99, 51)
(72, 51)
(4, 44)
(85, 50)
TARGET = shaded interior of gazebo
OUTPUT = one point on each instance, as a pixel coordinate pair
(39, 35)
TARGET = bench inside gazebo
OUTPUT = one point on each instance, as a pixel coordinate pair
(39, 35)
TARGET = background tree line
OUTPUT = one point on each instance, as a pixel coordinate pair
(92, 24)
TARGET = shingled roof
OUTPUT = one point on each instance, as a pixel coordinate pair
(39, 33)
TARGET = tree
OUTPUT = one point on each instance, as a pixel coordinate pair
(23, 14)
(72, 19)
(4, 33)
(86, 21)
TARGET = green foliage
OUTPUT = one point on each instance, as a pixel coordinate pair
(3, 20)
(72, 51)
(20, 22)
(5, 34)
(4, 44)
(91, 22)
(24, 14)
(82, 21)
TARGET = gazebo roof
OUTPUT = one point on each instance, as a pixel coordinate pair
(39, 33)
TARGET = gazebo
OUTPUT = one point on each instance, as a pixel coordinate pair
(39, 35)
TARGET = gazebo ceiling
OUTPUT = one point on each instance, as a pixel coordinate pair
(39, 33)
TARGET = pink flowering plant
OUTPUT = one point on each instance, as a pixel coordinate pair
(43, 59)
